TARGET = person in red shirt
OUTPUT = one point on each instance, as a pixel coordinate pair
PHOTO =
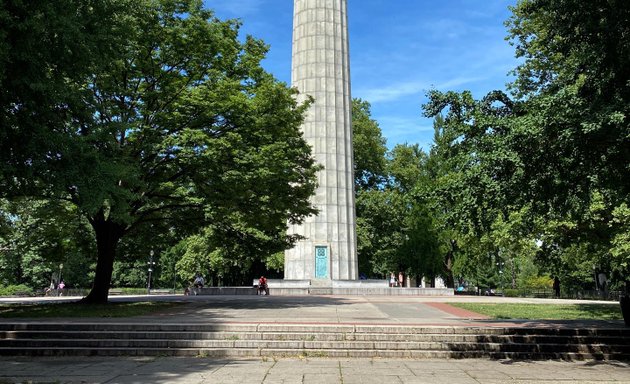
(262, 285)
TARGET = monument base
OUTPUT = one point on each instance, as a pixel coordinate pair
(278, 287)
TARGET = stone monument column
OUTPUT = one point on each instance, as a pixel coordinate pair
(321, 69)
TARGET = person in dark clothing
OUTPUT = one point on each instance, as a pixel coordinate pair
(556, 286)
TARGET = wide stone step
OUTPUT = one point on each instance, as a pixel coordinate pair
(301, 336)
(351, 353)
(258, 328)
(299, 345)
(48, 338)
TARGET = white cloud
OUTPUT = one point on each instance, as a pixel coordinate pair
(409, 88)
(392, 92)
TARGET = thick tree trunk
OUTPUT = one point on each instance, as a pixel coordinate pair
(448, 268)
(108, 234)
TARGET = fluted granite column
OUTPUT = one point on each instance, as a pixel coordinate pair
(321, 69)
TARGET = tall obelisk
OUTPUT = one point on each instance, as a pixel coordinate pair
(321, 69)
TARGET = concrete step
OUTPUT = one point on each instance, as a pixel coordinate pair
(318, 336)
(49, 338)
(354, 353)
(316, 345)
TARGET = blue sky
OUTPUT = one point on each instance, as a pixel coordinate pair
(399, 49)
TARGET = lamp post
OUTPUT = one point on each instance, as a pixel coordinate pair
(500, 265)
(59, 281)
(150, 264)
(174, 276)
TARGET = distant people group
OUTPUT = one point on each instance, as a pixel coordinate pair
(397, 281)
(55, 289)
(199, 282)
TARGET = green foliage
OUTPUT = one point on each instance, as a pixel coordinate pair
(537, 282)
(13, 290)
(46, 52)
(620, 250)
(40, 238)
(369, 147)
(420, 253)
(275, 261)
(509, 292)
(549, 165)
(174, 125)
(546, 311)
(380, 216)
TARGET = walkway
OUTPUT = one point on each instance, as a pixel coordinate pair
(127, 370)
(425, 311)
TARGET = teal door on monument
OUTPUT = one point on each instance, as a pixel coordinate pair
(321, 262)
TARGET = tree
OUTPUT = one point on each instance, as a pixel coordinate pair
(376, 225)
(420, 253)
(47, 51)
(559, 146)
(369, 148)
(573, 82)
(38, 238)
(380, 223)
(472, 175)
(395, 231)
(185, 131)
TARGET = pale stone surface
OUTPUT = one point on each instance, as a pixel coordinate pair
(321, 70)
(306, 370)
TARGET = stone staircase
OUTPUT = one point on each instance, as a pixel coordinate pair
(282, 340)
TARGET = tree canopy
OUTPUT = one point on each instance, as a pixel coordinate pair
(550, 159)
(176, 128)
(131, 126)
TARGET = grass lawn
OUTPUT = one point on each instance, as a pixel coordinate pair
(82, 310)
(545, 311)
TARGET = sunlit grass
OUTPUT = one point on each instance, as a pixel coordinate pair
(82, 310)
(545, 311)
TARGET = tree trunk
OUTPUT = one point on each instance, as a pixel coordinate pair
(448, 267)
(108, 234)
(624, 301)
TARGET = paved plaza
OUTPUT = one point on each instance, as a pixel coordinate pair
(308, 371)
(378, 310)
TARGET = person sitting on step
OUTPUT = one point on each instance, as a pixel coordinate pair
(262, 286)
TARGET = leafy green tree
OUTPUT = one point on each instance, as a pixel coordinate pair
(184, 130)
(516, 247)
(420, 253)
(560, 147)
(471, 176)
(380, 223)
(42, 239)
(407, 166)
(47, 52)
(376, 226)
(369, 148)
(573, 80)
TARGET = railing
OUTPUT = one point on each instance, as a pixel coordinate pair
(547, 294)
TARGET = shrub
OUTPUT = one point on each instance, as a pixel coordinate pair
(538, 282)
(509, 292)
(16, 290)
